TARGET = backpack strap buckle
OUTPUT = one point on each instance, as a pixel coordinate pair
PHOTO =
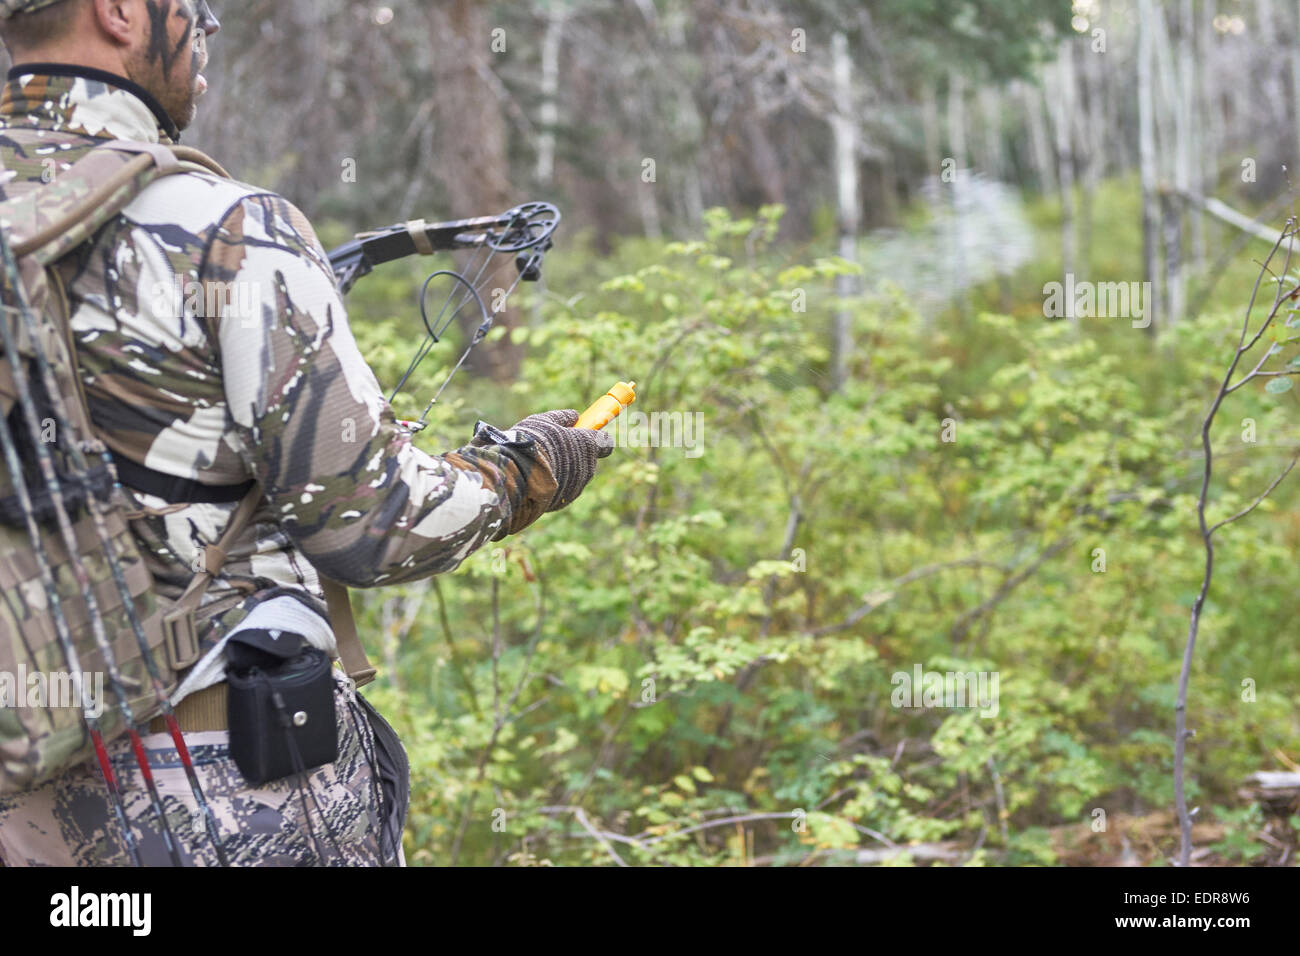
(180, 640)
(180, 636)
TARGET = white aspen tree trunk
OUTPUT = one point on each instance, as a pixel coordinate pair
(844, 128)
(1270, 68)
(991, 118)
(1267, 22)
(889, 184)
(1081, 125)
(548, 113)
(694, 196)
(1211, 120)
(648, 206)
(1166, 92)
(930, 129)
(691, 121)
(1147, 161)
(957, 118)
(1039, 145)
(1268, 33)
(1063, 121)
(1094, 78)
(1212, 148)
(958, 153)
(1118, 94)
(1189, 147)
(1295, 87)
(1172, 138)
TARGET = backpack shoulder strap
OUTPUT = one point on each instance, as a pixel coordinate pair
(190, 159)
(52, 220)
(198, 161)
(182, 640)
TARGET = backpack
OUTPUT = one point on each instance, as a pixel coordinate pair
(45, 691)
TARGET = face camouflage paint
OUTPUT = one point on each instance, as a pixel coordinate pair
(176, 30)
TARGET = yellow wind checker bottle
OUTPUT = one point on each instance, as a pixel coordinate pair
(606, 408)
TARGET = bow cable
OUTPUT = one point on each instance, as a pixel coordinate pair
(524, 231)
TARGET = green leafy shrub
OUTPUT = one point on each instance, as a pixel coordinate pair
(694, 663)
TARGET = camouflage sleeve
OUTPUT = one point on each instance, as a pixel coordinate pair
(364, 505)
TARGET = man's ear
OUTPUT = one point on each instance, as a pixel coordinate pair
(120, 20)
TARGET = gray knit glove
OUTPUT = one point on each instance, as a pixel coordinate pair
(555, 461)
(571, 452)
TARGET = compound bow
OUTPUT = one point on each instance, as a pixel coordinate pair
(524, 232)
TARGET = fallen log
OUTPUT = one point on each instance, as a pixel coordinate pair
(1225, 213)
(1278, 791)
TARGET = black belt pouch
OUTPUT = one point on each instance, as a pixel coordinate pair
(280, 705)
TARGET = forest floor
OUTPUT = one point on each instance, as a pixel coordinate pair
(1151, 838)
(1146, 840)
(1140, 841)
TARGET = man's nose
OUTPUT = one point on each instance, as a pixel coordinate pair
(208, 21)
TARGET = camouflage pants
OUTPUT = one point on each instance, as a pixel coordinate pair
(70, 822)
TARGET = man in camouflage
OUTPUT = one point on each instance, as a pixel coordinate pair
(270, 389)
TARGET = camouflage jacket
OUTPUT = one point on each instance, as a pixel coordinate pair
(268, 384)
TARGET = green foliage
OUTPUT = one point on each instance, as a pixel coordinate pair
(1242, 826)
(705, 647)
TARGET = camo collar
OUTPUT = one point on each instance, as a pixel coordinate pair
(82, 100)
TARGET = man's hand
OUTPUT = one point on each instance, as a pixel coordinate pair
(569, 452)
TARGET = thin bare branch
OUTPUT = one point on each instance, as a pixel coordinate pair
(1181, 732)
(1259, 500)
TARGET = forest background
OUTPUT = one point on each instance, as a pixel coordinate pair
(825, 234)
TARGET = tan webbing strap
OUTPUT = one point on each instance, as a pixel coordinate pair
(171, 159)
(351, 653)
(166, 161)
(416, 229)
(98, 198)
(189, 156)
(182, 641)
(8, 392)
